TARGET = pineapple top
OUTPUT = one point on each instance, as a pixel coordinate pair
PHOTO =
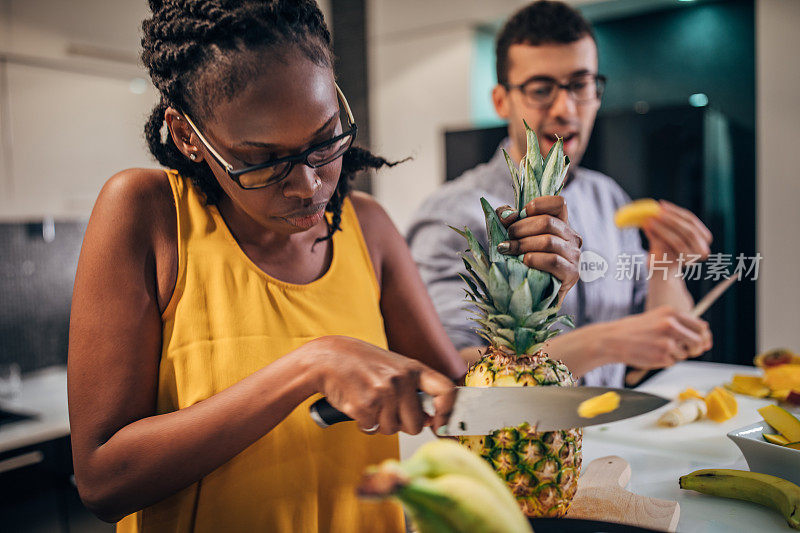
(516, 304)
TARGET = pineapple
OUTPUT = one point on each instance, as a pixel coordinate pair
(516, 306)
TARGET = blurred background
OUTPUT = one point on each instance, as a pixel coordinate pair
(700, 108)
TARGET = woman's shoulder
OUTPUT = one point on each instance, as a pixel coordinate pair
(372, 217)
(380, 234)
(136, 209)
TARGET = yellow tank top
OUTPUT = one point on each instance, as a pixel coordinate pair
(226, 319)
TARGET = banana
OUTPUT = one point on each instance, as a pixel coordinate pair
(462, 504)
(447, 489)
(771, 491)
(444, 456)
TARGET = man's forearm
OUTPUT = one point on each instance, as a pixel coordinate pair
(669, 289)
(574, 348)
(577, 350)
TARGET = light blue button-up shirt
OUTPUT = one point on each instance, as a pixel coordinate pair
(591, 197)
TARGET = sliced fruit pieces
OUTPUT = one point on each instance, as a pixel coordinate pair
(690, 393)
(775, 439)
(603, 403)
(781, 394)
(749, 385)
(636, 213)
(721, 405)
(775, 357)
(782, 420)
(782, 377)
(793, 445)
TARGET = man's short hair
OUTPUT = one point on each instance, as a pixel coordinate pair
(541, 22)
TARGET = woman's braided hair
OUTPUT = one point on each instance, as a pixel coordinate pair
(198, 51)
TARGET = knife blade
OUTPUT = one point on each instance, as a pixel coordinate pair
(482, 410)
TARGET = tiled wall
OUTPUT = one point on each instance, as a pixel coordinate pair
(37, 271)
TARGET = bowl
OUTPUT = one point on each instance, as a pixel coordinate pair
(765, 457)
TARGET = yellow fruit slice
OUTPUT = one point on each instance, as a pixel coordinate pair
(793, 445)
(782, 377)
(636, 213)
(775, 439)
(780, 394)
(604, 403)
(749, 385)
(783, 421)
(721, 405)
(690, 393)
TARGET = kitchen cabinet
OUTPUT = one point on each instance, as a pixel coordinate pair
(37, 493)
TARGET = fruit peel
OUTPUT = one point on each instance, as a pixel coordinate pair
(782, 420)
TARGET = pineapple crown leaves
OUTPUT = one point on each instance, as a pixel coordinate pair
(516, 305)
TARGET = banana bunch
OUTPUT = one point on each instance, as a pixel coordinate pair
(771, 491)
(447, 489)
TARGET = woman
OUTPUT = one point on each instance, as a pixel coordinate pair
(215, 301)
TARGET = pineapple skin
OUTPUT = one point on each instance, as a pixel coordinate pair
(540, 468)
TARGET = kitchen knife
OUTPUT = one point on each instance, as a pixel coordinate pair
(482, 410)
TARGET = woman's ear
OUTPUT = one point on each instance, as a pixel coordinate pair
(182, 135)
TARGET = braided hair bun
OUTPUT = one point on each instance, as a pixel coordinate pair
(199, 51)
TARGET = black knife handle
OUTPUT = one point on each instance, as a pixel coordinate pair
(324, 414)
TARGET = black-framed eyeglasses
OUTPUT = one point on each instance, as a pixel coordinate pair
(275, 170)
(543, 91)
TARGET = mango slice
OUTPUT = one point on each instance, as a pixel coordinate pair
(793, 445)
(689, 393)
(782, 377)
(604, 403)
(721, 405)
(783, 421)
(775, 439)
(636, 213)
(749, 385)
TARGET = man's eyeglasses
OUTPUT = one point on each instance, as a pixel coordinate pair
(273, 171)
(543, 91)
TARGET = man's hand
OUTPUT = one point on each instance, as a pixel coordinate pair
(545, 239)
(653, 339)
(677, 231)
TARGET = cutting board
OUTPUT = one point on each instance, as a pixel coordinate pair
(602, 496)
(704, 440)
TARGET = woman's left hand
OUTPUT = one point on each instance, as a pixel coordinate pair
(545, 238)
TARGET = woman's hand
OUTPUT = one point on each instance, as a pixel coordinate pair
(545, 239)
(378, 388)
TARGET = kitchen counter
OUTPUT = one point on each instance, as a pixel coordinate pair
(44, 394)
(658, 456)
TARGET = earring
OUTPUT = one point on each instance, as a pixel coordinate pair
(193, 156)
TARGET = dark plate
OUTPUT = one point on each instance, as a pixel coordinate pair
(578, 525)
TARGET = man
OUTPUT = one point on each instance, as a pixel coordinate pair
(547, 70)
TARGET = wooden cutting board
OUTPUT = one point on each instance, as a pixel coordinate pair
(602, 496)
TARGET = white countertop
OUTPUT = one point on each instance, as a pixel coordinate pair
(658, 456)
(44, 393)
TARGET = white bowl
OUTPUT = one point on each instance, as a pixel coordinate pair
(765, 457)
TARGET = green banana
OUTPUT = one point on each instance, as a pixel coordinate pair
(771, 491)
(447, 489)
